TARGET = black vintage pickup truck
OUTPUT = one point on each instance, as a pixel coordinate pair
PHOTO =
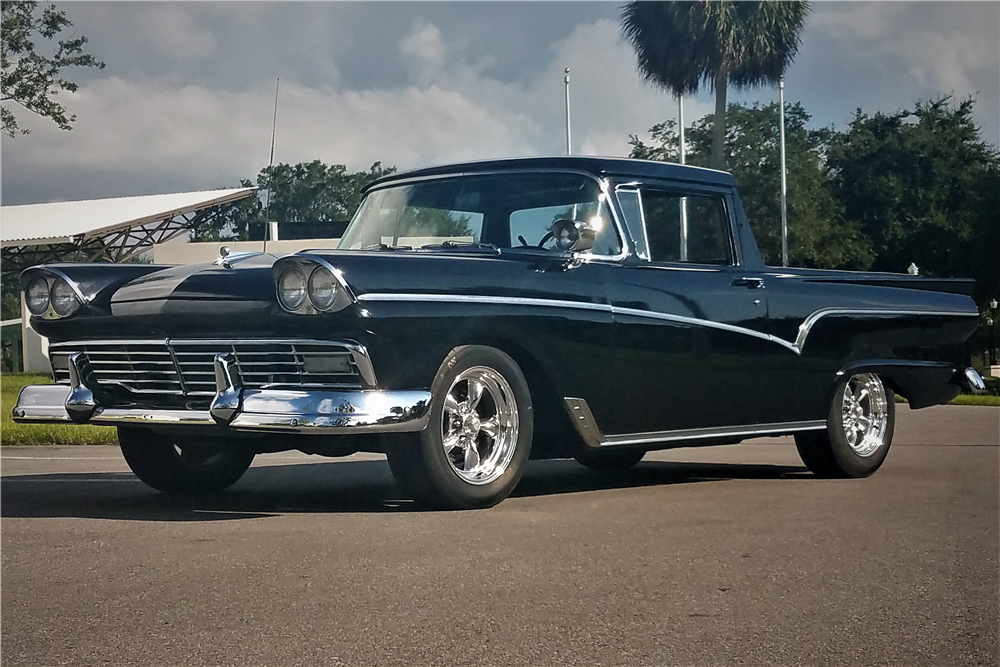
(477, 315)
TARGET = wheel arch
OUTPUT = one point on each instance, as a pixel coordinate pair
(921, 383)
(554, 435)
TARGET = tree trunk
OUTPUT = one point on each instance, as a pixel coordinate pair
(719, 122)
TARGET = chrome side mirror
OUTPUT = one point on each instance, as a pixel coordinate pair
(573, 235)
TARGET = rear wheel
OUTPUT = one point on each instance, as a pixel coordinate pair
(478, 438)
(613, 460)
(858, 432)
(180, 467)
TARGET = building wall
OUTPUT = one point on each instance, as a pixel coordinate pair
(193, 253)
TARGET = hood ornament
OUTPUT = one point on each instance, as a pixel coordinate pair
(223, 259)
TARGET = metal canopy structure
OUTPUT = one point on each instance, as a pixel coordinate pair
(110, 230)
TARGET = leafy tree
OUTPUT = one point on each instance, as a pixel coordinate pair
(925, 188)
(819, 235)
(682, 46)
(307, 192)
(32, 79)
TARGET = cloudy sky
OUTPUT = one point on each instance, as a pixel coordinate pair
(186, 99)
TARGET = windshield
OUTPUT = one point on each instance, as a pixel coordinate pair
(504, 210)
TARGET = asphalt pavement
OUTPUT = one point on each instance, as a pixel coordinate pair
(708, 556)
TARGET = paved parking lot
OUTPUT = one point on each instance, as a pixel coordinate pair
(711, 556)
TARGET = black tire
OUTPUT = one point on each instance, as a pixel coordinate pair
(456, 462)
(843, 450)
(182, 468)
(612, 460)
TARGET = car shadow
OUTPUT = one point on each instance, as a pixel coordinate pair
(327, 487)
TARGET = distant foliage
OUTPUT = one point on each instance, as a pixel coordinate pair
(925, 188)
(307, 192)
(819, 234)
(917, 186)
(32, 78)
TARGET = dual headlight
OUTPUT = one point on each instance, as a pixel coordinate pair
(319, 288)
(41, 294)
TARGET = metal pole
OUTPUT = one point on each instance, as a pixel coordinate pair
(682, 149)
(569, 142)
(784, 182)
(270, 166)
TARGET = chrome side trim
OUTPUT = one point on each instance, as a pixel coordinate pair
(586, 426)
(795, 347)
(648, 314)
(812, 319)
(489, 300)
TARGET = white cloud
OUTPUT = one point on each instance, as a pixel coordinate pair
(424, 44)
(172, 31)
(142, 129)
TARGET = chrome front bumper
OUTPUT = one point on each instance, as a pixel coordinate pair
(315, 411)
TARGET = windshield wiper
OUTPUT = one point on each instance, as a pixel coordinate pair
(451, 245)
(382, 246)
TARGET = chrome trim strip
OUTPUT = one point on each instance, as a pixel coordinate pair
(337, 273)
(489, 300)
(304, 412)
(810, 321)
(73, 285)
(585, 424)
(795, 347)
(682, 319)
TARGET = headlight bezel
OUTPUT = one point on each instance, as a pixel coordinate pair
(304, 292)
(73, 301)
(38, 281)
(321, 276)
(322, 273)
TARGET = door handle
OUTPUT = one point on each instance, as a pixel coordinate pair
(749, 283)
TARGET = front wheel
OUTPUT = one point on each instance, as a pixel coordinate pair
(478, 437)
(182, 467)
(858, 432)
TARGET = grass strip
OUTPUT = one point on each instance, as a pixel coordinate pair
(12, 433)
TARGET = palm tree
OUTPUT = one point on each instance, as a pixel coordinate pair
(682, 46)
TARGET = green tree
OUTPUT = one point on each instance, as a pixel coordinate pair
(819, 234)
(32, 79)
(925, 188)
(307, 192)
(683, 46)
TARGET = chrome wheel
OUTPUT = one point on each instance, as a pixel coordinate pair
(864, 414)
(479, 425)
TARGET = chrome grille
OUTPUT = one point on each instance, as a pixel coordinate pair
(185, 368)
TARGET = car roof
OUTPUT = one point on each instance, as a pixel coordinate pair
(598, 166)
